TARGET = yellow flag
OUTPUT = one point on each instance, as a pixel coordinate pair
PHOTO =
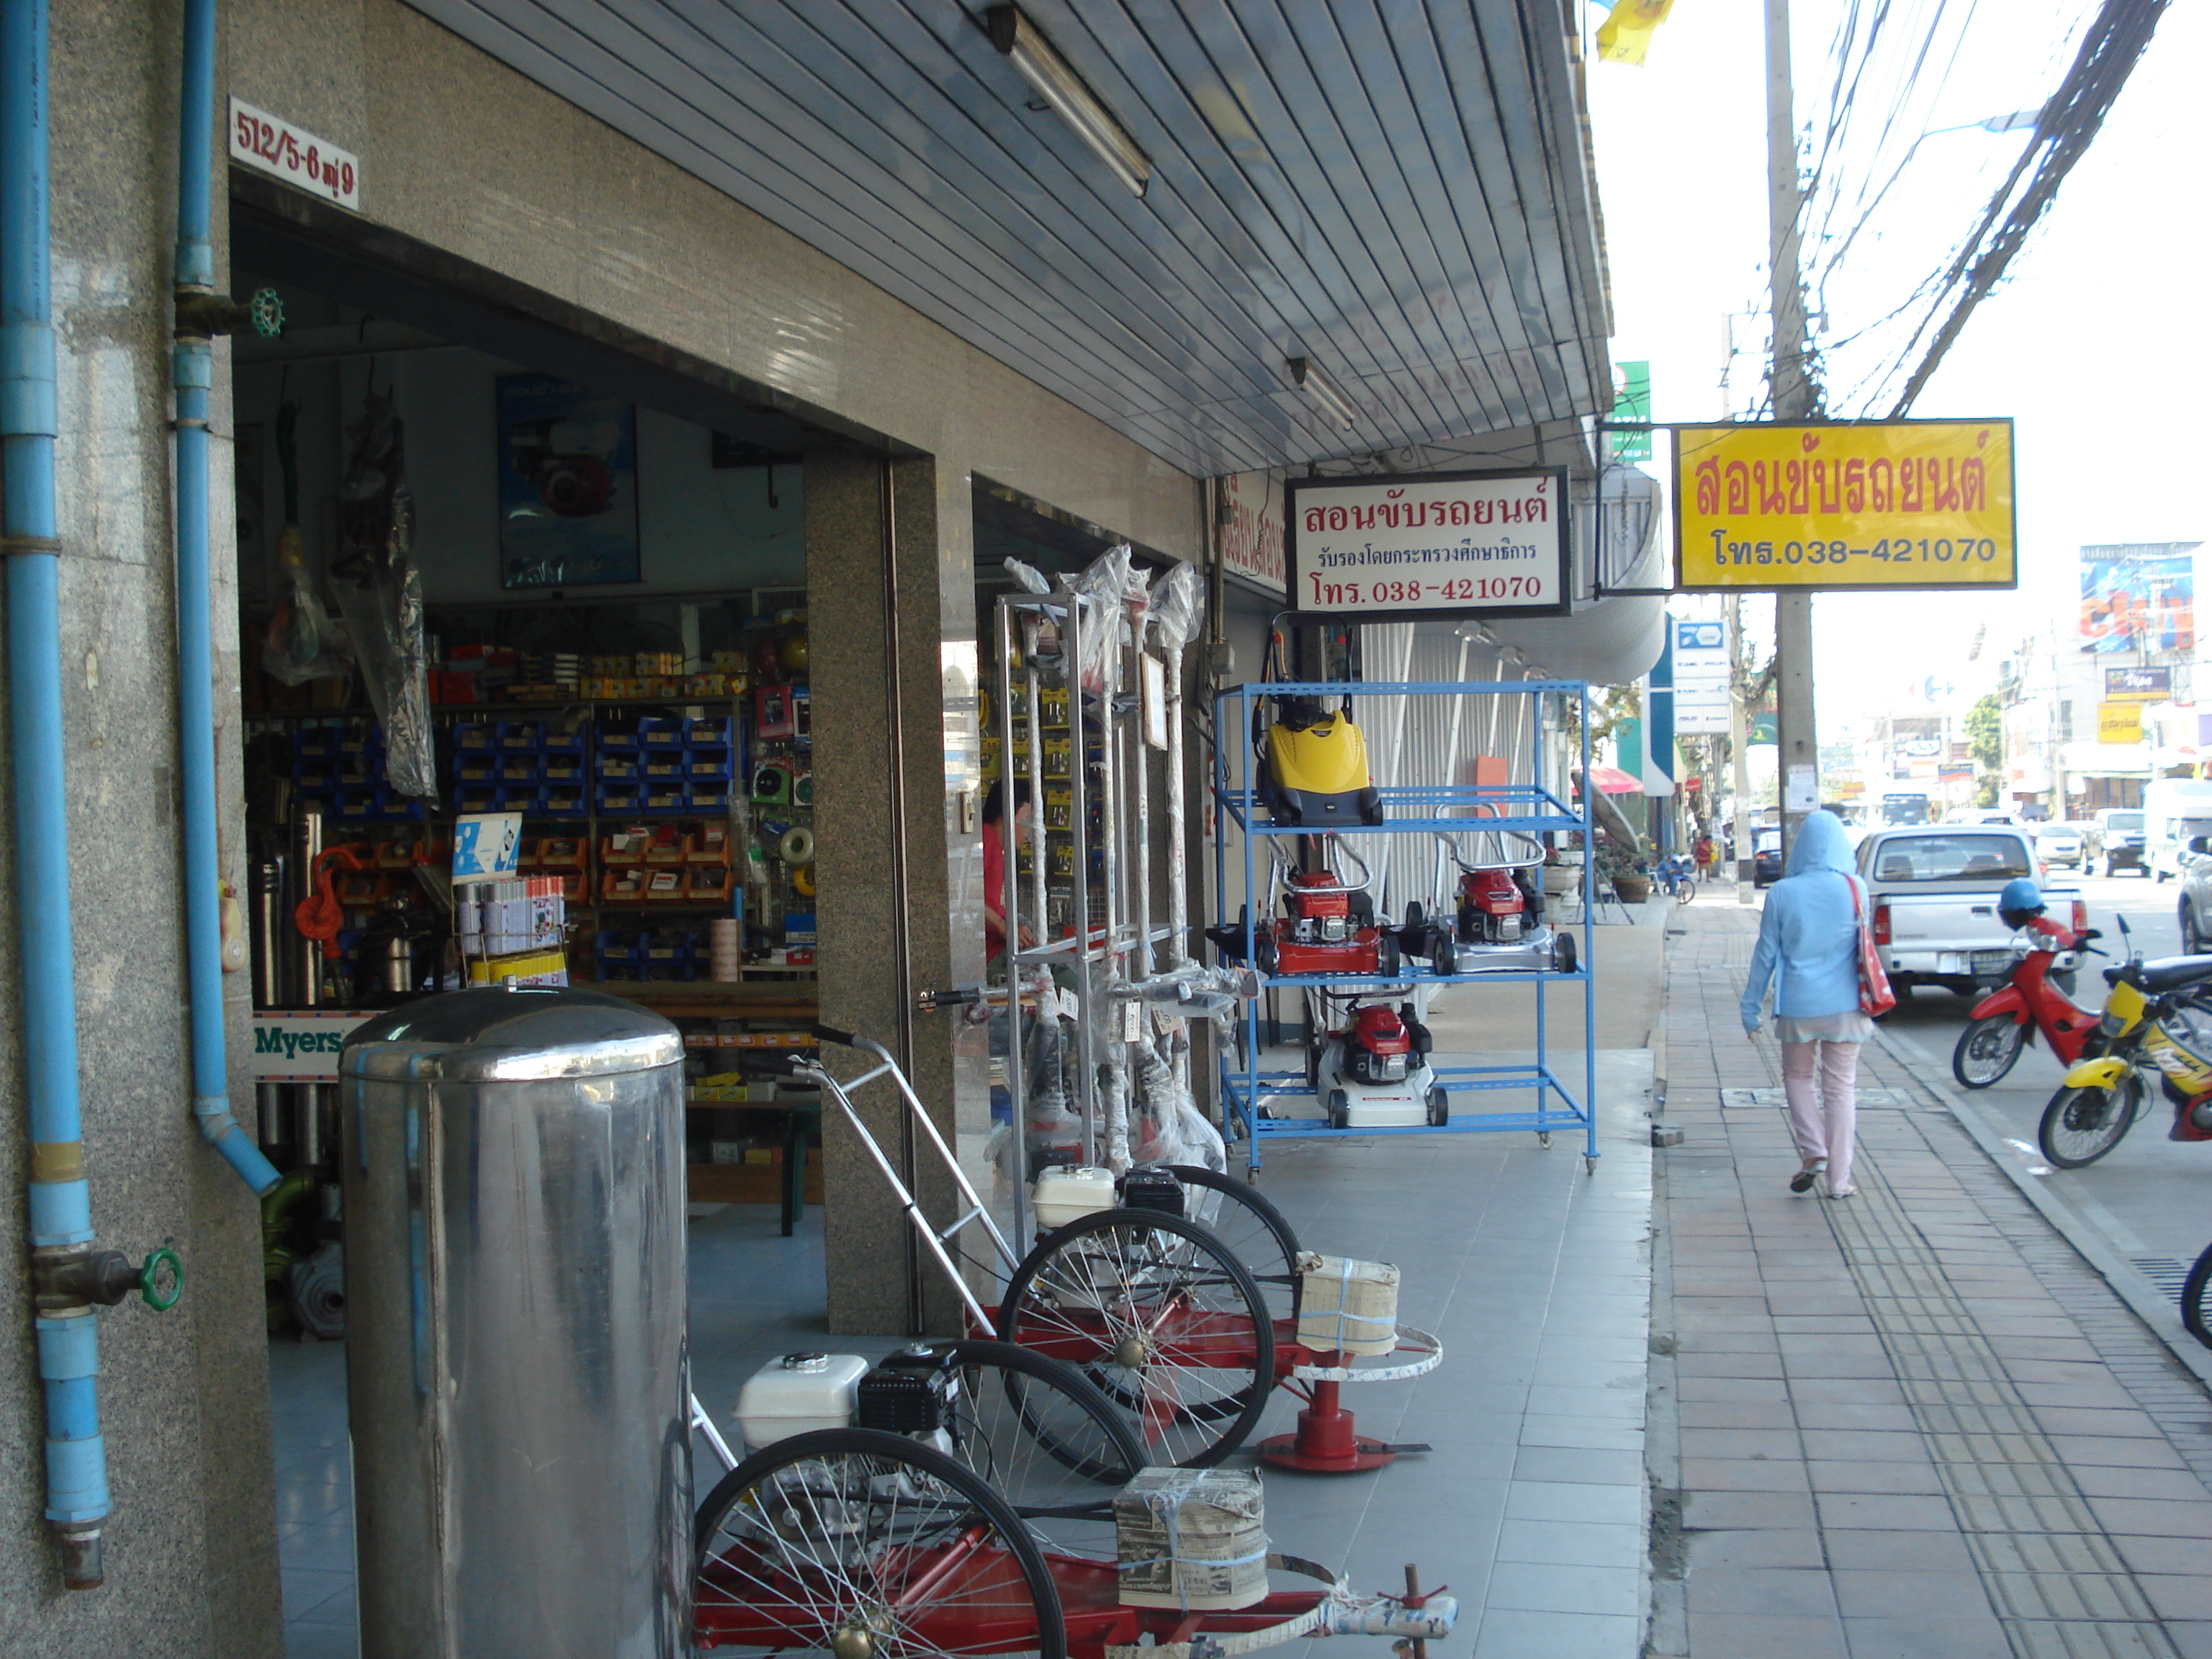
(1625, 34)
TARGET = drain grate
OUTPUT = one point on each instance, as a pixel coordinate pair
(1878, 1098)
(2163, 1271)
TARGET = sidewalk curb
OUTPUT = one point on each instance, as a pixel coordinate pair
(1666, 1585)
(2143, 1298)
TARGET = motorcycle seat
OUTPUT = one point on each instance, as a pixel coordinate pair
(2166, 973)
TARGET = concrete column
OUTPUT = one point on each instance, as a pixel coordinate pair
(884, 861)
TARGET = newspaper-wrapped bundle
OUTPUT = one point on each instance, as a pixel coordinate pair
(1196, 1540)
(1347, 1306)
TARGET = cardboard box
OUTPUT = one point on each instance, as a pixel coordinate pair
(1191, 1538)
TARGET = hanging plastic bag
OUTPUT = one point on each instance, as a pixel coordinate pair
(1178, 607)
(384, 606)
(1030, 579)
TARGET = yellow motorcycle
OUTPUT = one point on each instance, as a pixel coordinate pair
(2152, 1017)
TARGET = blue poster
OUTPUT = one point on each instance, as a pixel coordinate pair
(2139, 596)
(567, 485)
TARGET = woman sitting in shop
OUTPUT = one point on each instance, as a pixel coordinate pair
(994, 867)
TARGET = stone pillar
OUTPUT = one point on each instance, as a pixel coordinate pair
(873, 549)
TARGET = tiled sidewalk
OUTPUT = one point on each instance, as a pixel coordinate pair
(1911, 1422)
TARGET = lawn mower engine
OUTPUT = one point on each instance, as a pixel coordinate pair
(1325, 927)
(1495, 908)
(1375, 1074)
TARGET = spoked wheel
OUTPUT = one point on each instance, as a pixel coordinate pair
(2079, 1126)
(1041, 1433)
(1256, 1231)
(2197, 1299)
(861, 1545)
(1161, 1315)
(1987, 1049)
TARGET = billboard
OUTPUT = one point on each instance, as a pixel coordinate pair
(2120, 722)
(1701, 677)
(2138, 684)
(1402, 546)
(2139, 596)
(1252, 529)
(1866, 504)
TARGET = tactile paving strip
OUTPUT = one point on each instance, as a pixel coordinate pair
(2055, 1580)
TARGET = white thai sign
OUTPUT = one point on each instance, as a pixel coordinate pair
(1252, 528)
(274, 145)
(1701, 676)
(1431, 544)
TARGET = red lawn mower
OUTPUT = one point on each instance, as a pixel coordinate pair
(1328, 926)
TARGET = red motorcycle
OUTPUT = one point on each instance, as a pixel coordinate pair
(2005, 1022)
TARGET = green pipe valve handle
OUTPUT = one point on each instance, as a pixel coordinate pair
(265, 311)
(162, 1279)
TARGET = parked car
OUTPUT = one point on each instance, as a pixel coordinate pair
(1766, 857)
(2114, 838)
(1934, 895)
(2058, 844)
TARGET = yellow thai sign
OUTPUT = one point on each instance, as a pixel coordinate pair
(1850, 504)
(2120, 722)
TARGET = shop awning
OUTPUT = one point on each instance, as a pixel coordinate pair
(1400, 198)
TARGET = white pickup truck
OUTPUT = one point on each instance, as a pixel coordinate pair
(1935, 891)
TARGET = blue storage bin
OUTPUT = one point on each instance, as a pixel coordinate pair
(564, 740)
(476, 766)
(518, 769)
(664, 797)
(473, 735)
(708, 797)
(709, 730)
(618, 945)
(525, 736)
(565, 801)
(659, 766)
(660, 732)
(617, 798)
(714, 765)
(616, 736)
(617, 769)
(479, 798)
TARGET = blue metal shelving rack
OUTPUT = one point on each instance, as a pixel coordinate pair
(1533, 807)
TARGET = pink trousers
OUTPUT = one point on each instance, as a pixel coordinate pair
(1823, 1116)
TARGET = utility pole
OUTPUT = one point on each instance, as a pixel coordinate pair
(1797, 750)
(1739, 745)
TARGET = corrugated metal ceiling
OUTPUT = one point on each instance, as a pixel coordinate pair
(1397, 191)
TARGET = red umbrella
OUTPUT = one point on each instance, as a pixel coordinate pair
(1613, 782)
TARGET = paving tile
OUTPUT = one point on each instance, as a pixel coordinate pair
(1572, 1543)
(1754, 1549)
(2153, 1517)
(1735, 1414)
(2190, 1640)
(1578, 1464)
(1848, 1390)
(1878, 1593)
(1787, 1592)
(1705, 1475)
(1552, 1500)
(1837, 1445)
(1815, 1417)
(1849, 1549)
(1517, 1633)
(1741, 1442)
(1882, 1512)
(1730, 1387)
(2104, 1481)
(308, 1588)
(1867, 1475)
(1553, 1587)
(2157, 1555)
(2174, 1595)
(1607, 1434)
(2081, 1451)
(1930, 1638)
(1765, 1636)
(1732, 1512)
(1728, 1365)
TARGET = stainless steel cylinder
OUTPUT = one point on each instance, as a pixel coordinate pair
(266, 925)
(309, 1111)
(513, 1164)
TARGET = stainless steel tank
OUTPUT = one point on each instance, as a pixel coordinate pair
(512, 1162)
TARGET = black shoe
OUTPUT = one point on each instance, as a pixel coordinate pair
(1803, 1181)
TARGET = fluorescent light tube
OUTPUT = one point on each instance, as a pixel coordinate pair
(1059, 85)
(1327, 395)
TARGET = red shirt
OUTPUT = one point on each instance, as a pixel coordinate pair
(995, 887)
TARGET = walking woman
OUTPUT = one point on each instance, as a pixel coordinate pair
(1808, 947)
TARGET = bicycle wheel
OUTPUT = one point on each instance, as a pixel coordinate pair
(861, 1545)
(1256, 1231)
(1041, 1433)
(1986, 1050)
(2079, 1126)
(2197, 1298)
(1685, 890)
(1161, 1315)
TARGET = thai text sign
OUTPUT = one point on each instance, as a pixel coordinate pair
(1430, 544)
(1864, 504)
(1252, 528)
(2120, 722)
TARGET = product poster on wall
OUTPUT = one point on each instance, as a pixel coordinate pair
(567, 485)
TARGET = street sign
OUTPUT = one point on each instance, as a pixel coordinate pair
(1632, 404)
(2143, 684)
(1432, 544)
(2120, 722)
(1701, 677)
(1871, 504)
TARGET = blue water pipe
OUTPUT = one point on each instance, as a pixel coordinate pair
(60, 1204)
(194, 376)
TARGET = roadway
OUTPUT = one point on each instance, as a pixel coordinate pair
(2149, 1200)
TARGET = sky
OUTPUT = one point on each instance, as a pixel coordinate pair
(2092, 345)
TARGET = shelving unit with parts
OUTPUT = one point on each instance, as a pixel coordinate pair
(1249, 1094)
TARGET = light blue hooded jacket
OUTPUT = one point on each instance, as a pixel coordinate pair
(1808, 937)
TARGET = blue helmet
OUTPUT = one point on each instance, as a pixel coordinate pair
(2019, 900)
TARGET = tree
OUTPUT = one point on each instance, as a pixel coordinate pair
(1985, 733)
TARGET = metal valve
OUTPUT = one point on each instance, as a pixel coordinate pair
(104, 1277)
(202, 316)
